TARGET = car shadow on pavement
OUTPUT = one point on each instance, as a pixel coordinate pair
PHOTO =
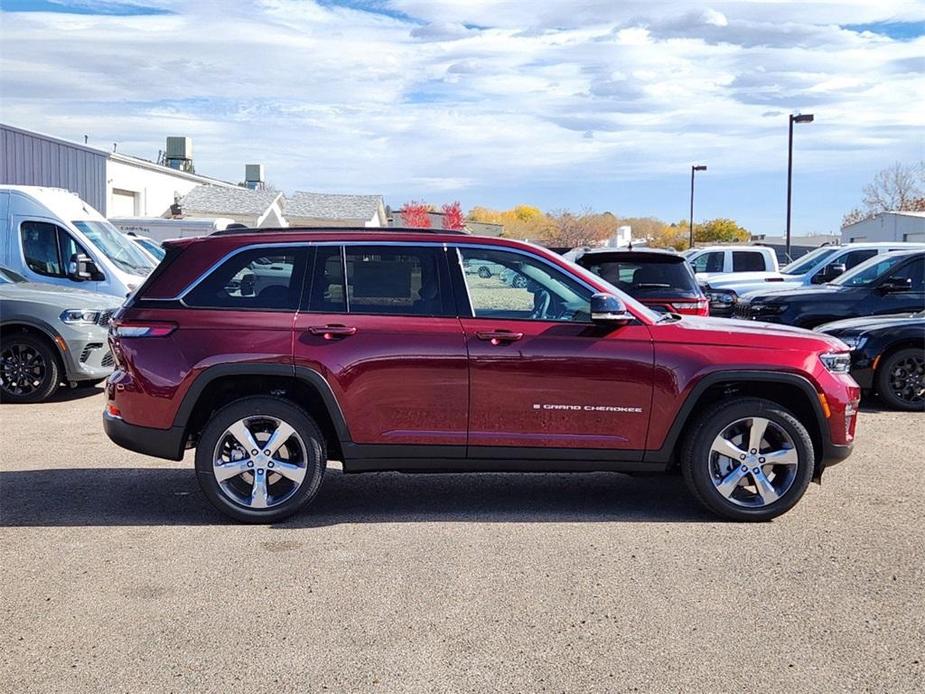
(171, 496)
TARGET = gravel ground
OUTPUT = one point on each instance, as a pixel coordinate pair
(117, 576)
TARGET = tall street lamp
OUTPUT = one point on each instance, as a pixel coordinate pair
(798, 118)
(695, 167)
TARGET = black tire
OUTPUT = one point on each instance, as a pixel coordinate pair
(907, 365)
(484, 272)
(27, 350)
(254, 407)
(696, 459)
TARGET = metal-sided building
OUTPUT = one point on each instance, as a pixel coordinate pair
(887, 226)
(115, 184)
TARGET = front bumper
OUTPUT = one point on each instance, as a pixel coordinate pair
(160, 443)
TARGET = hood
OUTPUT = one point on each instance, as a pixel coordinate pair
(858, 325)
(803, 294)
(53, 295)
(724, 277)
(744, 333)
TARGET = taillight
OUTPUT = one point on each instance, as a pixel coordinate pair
(695, 308)
(152, 329)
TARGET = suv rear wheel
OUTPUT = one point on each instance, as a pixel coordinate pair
(260, 459)
(748, 460)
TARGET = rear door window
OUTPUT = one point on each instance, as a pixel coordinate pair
(747, 261)
(262, 279)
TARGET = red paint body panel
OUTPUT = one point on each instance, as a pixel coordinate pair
(415, 380)
(398, 379)
(549, 387)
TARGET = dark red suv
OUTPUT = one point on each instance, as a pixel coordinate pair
(272, 351)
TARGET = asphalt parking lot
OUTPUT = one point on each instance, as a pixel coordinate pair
(118, 576)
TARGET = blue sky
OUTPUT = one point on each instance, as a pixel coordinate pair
(556, 103)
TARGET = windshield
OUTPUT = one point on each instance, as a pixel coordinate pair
(637, 307)
(116, 246)
(152, 247)
(869, 271)
(808, 261)
(644, 276)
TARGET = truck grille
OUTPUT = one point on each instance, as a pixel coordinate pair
(107, 359)
(741, 309)
(104, 318)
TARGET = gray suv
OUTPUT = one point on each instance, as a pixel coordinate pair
(50, 335)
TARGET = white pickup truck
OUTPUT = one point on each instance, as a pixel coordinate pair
(714, 260)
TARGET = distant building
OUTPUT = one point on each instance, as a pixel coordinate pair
(253, 208)
(116, 184)
(331, 209)
(887, 226)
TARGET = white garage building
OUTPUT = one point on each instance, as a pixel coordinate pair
(115, 184)
(887, 226)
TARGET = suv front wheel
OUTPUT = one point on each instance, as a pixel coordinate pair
(748, 460)
(260, 459)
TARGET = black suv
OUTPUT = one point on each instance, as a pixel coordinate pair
(888, 283)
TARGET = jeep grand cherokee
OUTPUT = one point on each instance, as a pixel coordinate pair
(378, 349)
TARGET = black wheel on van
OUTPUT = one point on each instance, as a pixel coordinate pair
(260, 459)
(29, 369)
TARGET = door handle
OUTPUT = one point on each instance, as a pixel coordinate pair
(332, 332)
(499, 337)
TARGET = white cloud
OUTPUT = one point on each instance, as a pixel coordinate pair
(453, 95)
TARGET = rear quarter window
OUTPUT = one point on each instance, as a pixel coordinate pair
(261, 279)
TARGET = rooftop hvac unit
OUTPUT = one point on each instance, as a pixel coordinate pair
(179, 154)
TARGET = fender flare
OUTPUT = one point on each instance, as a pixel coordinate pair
(664, 454)
(300, 373)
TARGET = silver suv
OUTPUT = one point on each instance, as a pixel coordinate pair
(50, 335)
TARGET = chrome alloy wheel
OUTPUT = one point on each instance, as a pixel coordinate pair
(907, 379)
(753, 462)
(259, 462)
(22, 369)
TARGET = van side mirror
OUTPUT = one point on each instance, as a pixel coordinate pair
(607, 309)
(82, 268)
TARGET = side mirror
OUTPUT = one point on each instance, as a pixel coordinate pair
(82, 268)
(829, 273)
(607, 309)
(895, 284)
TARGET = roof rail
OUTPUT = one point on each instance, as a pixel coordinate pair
(351, 230)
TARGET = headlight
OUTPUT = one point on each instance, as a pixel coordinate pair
(80, 316)
(717, 296)
(854, 342)
(836, 362)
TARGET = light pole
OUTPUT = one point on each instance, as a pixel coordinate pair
(695, 167)
(798, 118)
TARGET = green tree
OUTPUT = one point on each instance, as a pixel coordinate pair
(720, 230)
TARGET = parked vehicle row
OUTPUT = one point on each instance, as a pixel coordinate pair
(884, 281)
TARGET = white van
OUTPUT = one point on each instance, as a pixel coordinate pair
(50, 235)
(161, 229)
